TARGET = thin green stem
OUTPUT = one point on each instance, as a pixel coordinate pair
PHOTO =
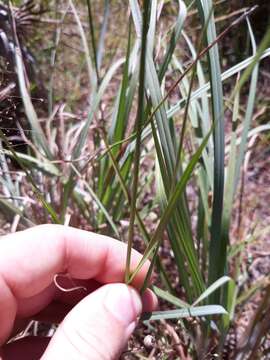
(93, 41)
(139, 128)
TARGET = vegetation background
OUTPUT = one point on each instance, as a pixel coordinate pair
(148, 121)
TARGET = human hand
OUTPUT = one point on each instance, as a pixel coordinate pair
(97, 323)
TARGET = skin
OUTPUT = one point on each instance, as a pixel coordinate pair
(96, 319)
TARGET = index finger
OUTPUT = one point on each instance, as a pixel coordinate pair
(30, 259)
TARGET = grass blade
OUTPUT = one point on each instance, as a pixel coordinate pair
(217, 251)
(217, 284)
(182, 13)
(139, 126)
(38, 134)
(184, 313)
(224, 76)
(165, 295)
(172, 203)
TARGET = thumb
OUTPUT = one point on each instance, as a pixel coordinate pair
(98, 327)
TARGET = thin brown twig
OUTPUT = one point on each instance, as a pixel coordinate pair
(201, 54)
(177, 342)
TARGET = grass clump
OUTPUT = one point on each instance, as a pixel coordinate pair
(157, 125)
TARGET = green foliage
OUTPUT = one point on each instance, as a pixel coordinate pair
(101, 175)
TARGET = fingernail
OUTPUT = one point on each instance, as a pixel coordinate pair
(124, 303)
(149, 301)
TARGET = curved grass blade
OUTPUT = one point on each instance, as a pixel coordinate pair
(262, 47)
(29, 177)
(184, 313)
(94, 107)
(249, 111)
(217, 284)
(9, 210)
(182, 14)
(165, 295)
(90, 70)
(38, 134)
(99, 203)
(43, 164)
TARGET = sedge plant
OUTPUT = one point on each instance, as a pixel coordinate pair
(90, 170)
